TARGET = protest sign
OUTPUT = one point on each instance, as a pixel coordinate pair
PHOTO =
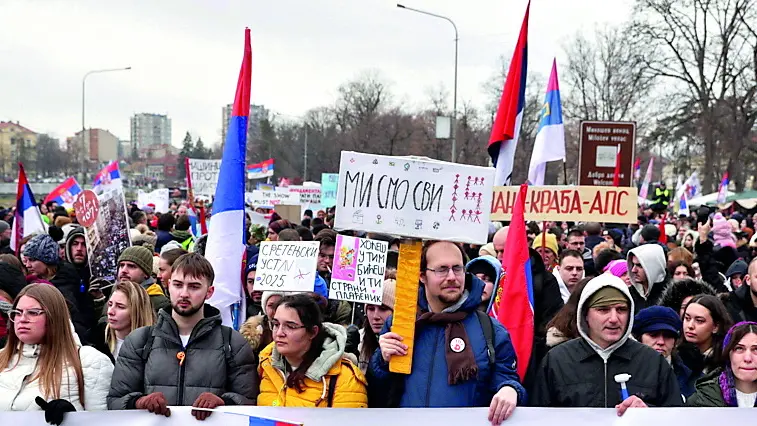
(310, 196)
(87, 208)
(159, 198)
(358, 273)
(271, 198)
(602, 143)
(290, 213)
(287, 265)
(203, 176)
(107, 235)
(569, 203)
(329, 182)
(416, 198)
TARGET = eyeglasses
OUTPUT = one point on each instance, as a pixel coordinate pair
(287, 327)
(31, 315)
(443, 271)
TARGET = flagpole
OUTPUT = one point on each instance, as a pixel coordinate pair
(565, 172)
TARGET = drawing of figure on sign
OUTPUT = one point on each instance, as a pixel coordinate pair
(345, 265)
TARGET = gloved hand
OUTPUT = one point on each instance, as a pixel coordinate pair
(96, 286)
(155, 403)
(206, 400)
(55, 410)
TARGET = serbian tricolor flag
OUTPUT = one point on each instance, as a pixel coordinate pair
(723, 190)
(109, 177)
(637, 169)
(27, 220)
(683, 205)
(515, 293)
(506, 127)
(260, 170)
(65, 193)
(261, 421)
(550, 138)
(226, 246)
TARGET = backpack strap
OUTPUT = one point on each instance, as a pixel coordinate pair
(488, 328)
(332, 390)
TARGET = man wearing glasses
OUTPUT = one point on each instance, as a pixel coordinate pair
(455, 364)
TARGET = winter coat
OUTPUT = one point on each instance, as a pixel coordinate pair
(12, 280)
(81, 269)
(686, 378)
(579, 373)
(679, 290)
(228, 372)
(709, 266)
(740, 304)
(18, 394)
(708, 393)
(96, 339)
(80, 303)
(164, 237)
(257, 331)
(427, 385)
(158, 299)
(185, 238)
(330, 370)
(652, 260)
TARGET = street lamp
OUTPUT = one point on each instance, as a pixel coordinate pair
(84, 83)
(454, 101)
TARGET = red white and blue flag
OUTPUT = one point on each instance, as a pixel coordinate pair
(637, 169)
(514, 299)
(109, 177)
(723, 190)
(226, 246)
(27, 220)
(65, 194)
(260, 170)
(550, 138)
(262, 421)
(506, 127)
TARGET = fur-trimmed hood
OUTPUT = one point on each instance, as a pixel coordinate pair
(252, 330)
(679, 290)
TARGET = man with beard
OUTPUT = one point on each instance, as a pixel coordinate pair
(187, 358)
(76, 252)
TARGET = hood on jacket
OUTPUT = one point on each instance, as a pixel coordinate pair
(652, 260)
(252, 330)
(739, 267)
(181, 236)
(679, 290)
(333, 351)
(564, 290)
(604, 280)
(488, 265)
(469, 301)
(77, 231)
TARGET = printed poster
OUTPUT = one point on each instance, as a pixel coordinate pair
(108, 236)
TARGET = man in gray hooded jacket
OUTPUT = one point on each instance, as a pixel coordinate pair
(648, 273)
(584, 372)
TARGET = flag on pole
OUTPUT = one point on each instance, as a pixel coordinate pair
(550, 138)
(506, 127)
(723, 190)
(616, 174)
(683, 205)
(637, 169)
(109, 177)
(28, 219)
(692, 186)
(515, 291)
(65, 193)
(226, 246)
(644, 191)
(260, 170)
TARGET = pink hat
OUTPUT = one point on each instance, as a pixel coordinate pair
(617, 268)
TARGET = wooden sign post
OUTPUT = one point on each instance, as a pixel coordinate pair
(406, 302)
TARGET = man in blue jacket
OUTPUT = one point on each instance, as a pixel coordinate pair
(452, 366)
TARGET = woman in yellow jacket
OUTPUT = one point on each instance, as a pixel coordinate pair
(306, 366)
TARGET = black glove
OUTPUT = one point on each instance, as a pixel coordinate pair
(55, 410)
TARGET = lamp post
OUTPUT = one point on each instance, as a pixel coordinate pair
(454, 101)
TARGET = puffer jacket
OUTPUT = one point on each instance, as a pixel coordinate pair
(205, 367)
(652, 260)
(427, 385)
(332, 368)
(579, 373)
(17, 394)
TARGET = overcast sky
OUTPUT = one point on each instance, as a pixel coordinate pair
(185, 54)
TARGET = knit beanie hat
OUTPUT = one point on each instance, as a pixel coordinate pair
(43, 248)
(550, 242)
(606, 296)
(390, 289)
(617, 268)
(141, 256)
(722, 232)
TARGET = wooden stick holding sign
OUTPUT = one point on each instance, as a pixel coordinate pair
(406, 302)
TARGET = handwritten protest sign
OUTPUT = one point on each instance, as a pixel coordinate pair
(107, 235)
(287, 265)
(309, 195)
(204, 176)
(329, 182)
(569, 203)
(358, 274)
(417, 198)
(159, 198)
(271, 198)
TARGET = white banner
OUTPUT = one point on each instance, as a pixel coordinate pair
(310, 196)
(204, 176)
(159, 197)
(287, 265)
(358, 273)
(272, 198)
(416, 198)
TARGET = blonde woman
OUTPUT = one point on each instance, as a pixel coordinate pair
(128, 309)
(43, 365)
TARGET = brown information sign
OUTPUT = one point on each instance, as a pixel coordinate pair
(600, 141)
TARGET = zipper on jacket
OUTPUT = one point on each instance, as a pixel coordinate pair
(23, 384)
(605, 383)
(180, 399)
(431, 372)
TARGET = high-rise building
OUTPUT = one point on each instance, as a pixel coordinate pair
(258, 113)
(150, 130)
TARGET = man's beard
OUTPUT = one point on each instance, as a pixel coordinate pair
(450, 299)
(187, 312)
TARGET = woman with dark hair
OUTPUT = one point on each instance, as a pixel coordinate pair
(375, 317)
(274, 228)
(679, 293)
(680, 270)
(306, 366)
(705, 322)
(736, 384)
(563, 326)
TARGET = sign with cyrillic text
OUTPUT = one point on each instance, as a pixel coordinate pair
(569, 203)
(287, 265)
(358, 272)
(203, 176)
(309, 195)
(412, 197)
(329, 182)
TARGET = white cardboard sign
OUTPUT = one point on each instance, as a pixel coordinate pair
(271, 198)
(358, 273)
(204, 176)
(287, 265)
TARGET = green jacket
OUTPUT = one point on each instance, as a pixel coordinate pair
(708, 392)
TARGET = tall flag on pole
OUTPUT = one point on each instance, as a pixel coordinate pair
(515, 291)
(644, 191)
(28, 219)
(616, 174)
(506, 127)
(226, 246)
(723, 190)
(109, 177)
(550, 138)
(637, 169)
(65, 193)
(683, 205)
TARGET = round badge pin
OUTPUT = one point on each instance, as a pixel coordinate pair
(457, 345)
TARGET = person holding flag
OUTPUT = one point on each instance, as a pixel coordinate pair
(550, 138)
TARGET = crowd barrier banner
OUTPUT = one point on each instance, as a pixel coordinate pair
(181, 416)
(569, 203)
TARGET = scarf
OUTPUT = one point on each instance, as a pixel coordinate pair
(461, 364)
(728, 387)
